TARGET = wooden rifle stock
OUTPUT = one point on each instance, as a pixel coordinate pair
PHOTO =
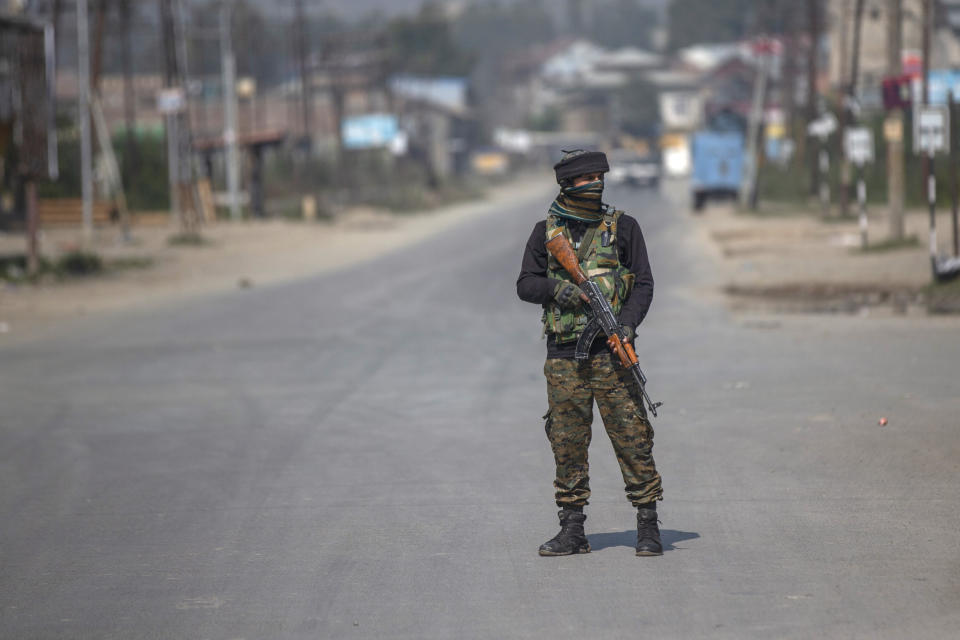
(559, 247)
(624, 351)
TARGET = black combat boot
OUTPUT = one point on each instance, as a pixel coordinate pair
(648, 533)
(571, 538)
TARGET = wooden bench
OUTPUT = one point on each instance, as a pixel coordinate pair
(68, 212)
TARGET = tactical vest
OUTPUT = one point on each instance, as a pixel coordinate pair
(600, 261)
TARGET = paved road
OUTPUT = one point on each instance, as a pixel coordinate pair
(361, 455)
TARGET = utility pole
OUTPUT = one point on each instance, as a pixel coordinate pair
(895, 119)
(930, 176)
(173, 134)
(83, 98)
(813, 25)
(130, 159)
(848, 102)
(954, 185)
(230, 109)
(748, 186)
(99, 26)
(300, 44)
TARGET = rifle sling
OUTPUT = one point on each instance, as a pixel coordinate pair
(587, 240)
(585, 243)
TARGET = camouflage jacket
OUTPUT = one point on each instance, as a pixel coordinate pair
(600, 261)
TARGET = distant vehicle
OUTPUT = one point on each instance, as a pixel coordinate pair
(634, 169)
(717, 166)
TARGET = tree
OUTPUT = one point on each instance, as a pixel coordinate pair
(622, 23)
(700, 21)
(424, 44)
(488, 29)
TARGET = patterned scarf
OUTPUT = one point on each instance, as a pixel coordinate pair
(580, 203)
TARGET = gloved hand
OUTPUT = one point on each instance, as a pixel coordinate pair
(626, 336)
(569, 295)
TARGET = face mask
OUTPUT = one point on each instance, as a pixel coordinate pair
(580, 203)
(589, 190)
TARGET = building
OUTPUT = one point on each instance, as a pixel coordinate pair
(872, 65)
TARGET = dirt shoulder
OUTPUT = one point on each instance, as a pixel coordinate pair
(251, 253)
(796, 261)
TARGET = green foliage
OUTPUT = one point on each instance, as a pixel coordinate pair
(262, 43)
(487, 28)
(424, 44)
(792, 184)
(708, 21)
(79, 263)
(146, 185)
(622, 23)
(145, 181)
(284, 174)
(13, 268)
(548, 120)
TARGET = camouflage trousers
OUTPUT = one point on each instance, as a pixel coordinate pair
(571, 390)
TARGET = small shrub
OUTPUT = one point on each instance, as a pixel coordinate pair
(79, 263)
(13, 268)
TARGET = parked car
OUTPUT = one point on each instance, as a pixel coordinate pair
(634, 169)
(717, 166)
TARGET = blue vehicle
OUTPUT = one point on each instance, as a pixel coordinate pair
(717, 158)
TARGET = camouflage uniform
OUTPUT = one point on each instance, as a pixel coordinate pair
(571, 390)
(611, 252)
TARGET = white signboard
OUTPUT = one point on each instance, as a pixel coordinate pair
(680, 110)
(931, 129)
(858, 145)
(170, 101)
(823, 126)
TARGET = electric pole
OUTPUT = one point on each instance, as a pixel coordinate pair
(169, 81)
(230, 109)
(129, 95)
(813, 24)
(847, 106)
(895, 119)
(83, 98)
(748, 186)
(300, 44)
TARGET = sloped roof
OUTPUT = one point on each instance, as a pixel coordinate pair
(627, 57)
(704, 57)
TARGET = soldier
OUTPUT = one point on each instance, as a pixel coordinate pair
(612, 252)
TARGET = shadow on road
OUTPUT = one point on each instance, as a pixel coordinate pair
(628, 538)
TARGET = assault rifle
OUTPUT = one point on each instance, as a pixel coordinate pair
(603, 317)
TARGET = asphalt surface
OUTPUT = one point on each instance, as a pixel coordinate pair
(361, 455)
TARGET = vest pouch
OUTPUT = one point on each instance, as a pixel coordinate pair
(565, 325)
(571, 322)
(607, 257)
(608, 284)
(625, 281)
